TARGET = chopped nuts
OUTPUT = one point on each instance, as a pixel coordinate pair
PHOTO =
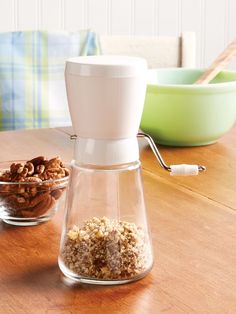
(106, 249)
(35, 197)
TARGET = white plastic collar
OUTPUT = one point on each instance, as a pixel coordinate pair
(106, 152)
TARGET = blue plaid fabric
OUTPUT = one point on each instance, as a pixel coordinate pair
(32, 87)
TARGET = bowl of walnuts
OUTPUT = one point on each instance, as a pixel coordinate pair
(31, 191)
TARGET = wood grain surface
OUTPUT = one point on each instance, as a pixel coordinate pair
(193, 225)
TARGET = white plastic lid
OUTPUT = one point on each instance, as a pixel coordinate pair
(106, 66)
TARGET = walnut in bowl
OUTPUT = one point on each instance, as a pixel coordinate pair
(31, 191)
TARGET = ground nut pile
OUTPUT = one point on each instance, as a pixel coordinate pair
(31, 197)
(106, 249)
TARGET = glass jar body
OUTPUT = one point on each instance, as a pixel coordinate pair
(105, 237)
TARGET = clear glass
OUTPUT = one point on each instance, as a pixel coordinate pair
(30, 203)
(105, 237)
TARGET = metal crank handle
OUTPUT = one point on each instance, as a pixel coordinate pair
(175, 170)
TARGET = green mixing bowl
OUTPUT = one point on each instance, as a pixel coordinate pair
(178, 113)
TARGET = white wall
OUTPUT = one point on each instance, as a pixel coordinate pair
(214, 21)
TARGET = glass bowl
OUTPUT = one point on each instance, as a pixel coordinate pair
(30, 203)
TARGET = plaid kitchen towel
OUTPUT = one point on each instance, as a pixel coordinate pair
(32, 88)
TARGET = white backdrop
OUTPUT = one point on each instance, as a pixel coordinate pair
(214, 21)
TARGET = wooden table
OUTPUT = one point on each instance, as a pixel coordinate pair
(193, 224)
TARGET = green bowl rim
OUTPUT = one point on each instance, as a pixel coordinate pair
(192, 86)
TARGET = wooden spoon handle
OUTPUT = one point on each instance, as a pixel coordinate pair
(221, 61)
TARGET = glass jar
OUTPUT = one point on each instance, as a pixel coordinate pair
(105, 238)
